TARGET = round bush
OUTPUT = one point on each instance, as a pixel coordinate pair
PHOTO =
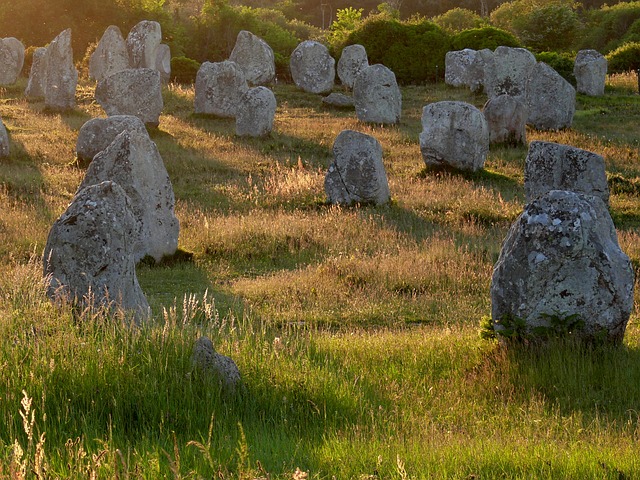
(458, 19)
(625, 58)
(184, 70)
(561, 63)
(485, 37)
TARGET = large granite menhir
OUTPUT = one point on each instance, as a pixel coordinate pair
(376, 95)
(110, 56)
(220, 87)
(61, 76)
(312, 67)
(11, 60)
(98, 133)
(255, 57)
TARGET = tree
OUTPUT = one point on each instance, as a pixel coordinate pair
(554, 26)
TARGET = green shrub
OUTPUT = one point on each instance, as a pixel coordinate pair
(485, 37)
(458, 19)
(625, 58)
(633, 33)
(561, 63)
(554, 26)
(608, 25)
(184, 70)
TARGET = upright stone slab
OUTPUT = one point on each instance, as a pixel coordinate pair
(142, 42)
(312, 67)
(132, 92)
(457, 65)
(98, 133)
(4, 141)
(255, 57)
(507, 120)
(590, 70)
(11, 60)
(508, 72)
(552, 166)
(133, 161)
(256, 113)
(163, 62)
(35, 85)
(551, 100)
(352, 61)
(376, 95)
(61, 76)
(357, 174)
(561, 258)
(88, 258)
(110, 56)
(454, 134)
(220, 87)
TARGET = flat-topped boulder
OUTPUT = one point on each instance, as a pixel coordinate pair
(590, 70)
(507, 120)
(98, 133)
(110, 56)
(376, 95)
(508, 72)
(338, 100)
(256, 112)
(61, 76)
(35, 85)
(550, 99)
(11, 60)
(142, 42)
(312, 67)
(220, 87)
(255, 57)
(352, 61)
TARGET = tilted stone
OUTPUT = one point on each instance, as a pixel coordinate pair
(61, 76)
(163, 62)
(132, 92)
(88, 258)
(98, 133)
(507, 120)
(110, 56)
(590, 70)
(4, 141)
(142, 42)
(454, 134)
(256, 113)
(218, 367)
(220, 87)
(352, 61)
(357, 174)
(133, 161)
(552, 166)
(550, 99)
(35, 85)
(312, 67)
(376, 95)
(561, 257)
(11, 60)
(255, 57)
(508, 72)
(338, 100)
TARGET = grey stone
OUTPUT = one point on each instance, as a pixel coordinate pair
(132, 92)
(35, 85)
(110, 56)
(550, 99)
(357, 174)
(11, 60)
(339, 100)
(98, 133)
(352, 61)
(561, 257)
(312, 67)
(376, 95)
(61, 76)
(88, 259)
(508, 72)
(220, 87)
(590, 70)
(256, 113)
(467, 68)
(507, 120)
(552, 166)
(163, 62)
(454, 134)
(142, 42)
(133, 161)
(4, 141)
(219, 368)
(255, 57)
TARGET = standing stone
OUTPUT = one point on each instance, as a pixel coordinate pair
(550, 99)
(478, 71)
(454, 134)
(508, 72)
(507, 120)
(376, 95)
(61, 76)
(11, 60)
(132, 92)
(220, 368)
(220, 87)
(561, 257)
(4, 141)
(163, 62)
(256, 113)
(88, 258)
(110, 56)
(352, 61)
(552, 166)
(312, 67)
(98, 133)
(590, 70)
(35, 86)
(457, 64)
(142, 42)
(133, 161)
(255, 57)
(357, 174)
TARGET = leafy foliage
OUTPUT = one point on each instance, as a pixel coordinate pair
(554, 26)
(459, 19)
(485, 37)
(184, 69)
(560, 62)
(347, 19)
(607, 26)
(625, 58)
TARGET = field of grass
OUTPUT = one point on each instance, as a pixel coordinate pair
(356, 329)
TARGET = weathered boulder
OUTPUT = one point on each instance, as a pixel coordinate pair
(61, 76)
(255, 57)
(256, 113)
(467, 68)
(357, 174)
(338, 100)
(454, 134)
(133, 161)
(552, 166)
(110, 56)
(220, 87)
(590, 70)
(98, 133)
(219, 368)
(561, 258)
(550, 99)
(132, 92)
(4, 141)
(376, 95)
(163, 62)
(88, 258)
(352, 61)
(508, 72)
(142, 42)
(35, 85)
(312, 67)
(507, 120)
(11, 60)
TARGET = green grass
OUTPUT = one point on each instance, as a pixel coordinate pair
(356, 329)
